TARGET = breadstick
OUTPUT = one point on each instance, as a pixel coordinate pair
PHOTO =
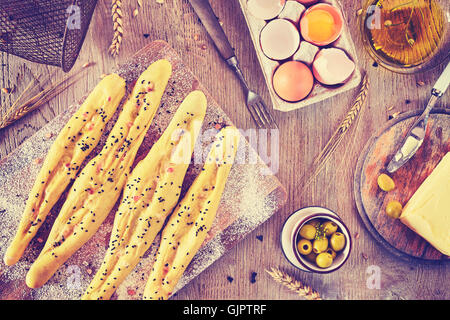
(73, 144)
(189, 224)
(100, 183)
(152, 191)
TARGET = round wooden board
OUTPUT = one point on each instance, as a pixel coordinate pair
(371, 201)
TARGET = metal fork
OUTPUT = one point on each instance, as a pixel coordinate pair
(255, 103)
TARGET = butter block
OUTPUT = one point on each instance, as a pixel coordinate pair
(428, 211)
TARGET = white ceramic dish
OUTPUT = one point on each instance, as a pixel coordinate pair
(291, 228)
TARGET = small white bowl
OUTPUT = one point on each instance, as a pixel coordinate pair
(290, 232)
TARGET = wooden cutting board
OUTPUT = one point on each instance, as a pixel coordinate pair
(371, 201)
(252, 194)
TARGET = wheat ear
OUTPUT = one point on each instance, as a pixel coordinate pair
(294, 285)
(19, 110)
(335, 140)
(116, 13)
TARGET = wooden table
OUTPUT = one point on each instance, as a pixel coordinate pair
(302, 135)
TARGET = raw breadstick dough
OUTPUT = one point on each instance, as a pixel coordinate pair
(73, 144)
(100, 183)
(189, 224)
(151, 193)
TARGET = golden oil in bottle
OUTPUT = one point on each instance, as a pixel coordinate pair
(405, 32)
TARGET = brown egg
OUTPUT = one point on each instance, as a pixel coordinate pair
(293, 81)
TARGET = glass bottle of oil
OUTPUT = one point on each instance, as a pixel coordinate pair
(405, 32)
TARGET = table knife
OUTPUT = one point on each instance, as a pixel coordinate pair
(416, 135)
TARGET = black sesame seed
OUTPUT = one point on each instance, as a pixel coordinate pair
(253, 277)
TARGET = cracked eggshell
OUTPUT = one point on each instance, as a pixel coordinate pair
(265, 9)
(332, 66)
(292, 11)
(279, 39)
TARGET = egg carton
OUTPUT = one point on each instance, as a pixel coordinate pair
(319, 91)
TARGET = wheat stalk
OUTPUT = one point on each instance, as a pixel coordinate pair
(16, 102)
(29, 106)
(18, 110)
(338, 136)
(294, 285)
(27, 91)
(116, 13)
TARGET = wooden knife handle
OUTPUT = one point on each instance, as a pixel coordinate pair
(212, 26)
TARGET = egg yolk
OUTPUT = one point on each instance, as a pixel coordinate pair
(321, 25)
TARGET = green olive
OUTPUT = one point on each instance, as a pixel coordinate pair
(308, 232)
(320, 245)
(385, 182)
(332, 252)
(304, 247)
(324, 260)
(329, 227)
(315, 222)
(337, 241)
(394, 209)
